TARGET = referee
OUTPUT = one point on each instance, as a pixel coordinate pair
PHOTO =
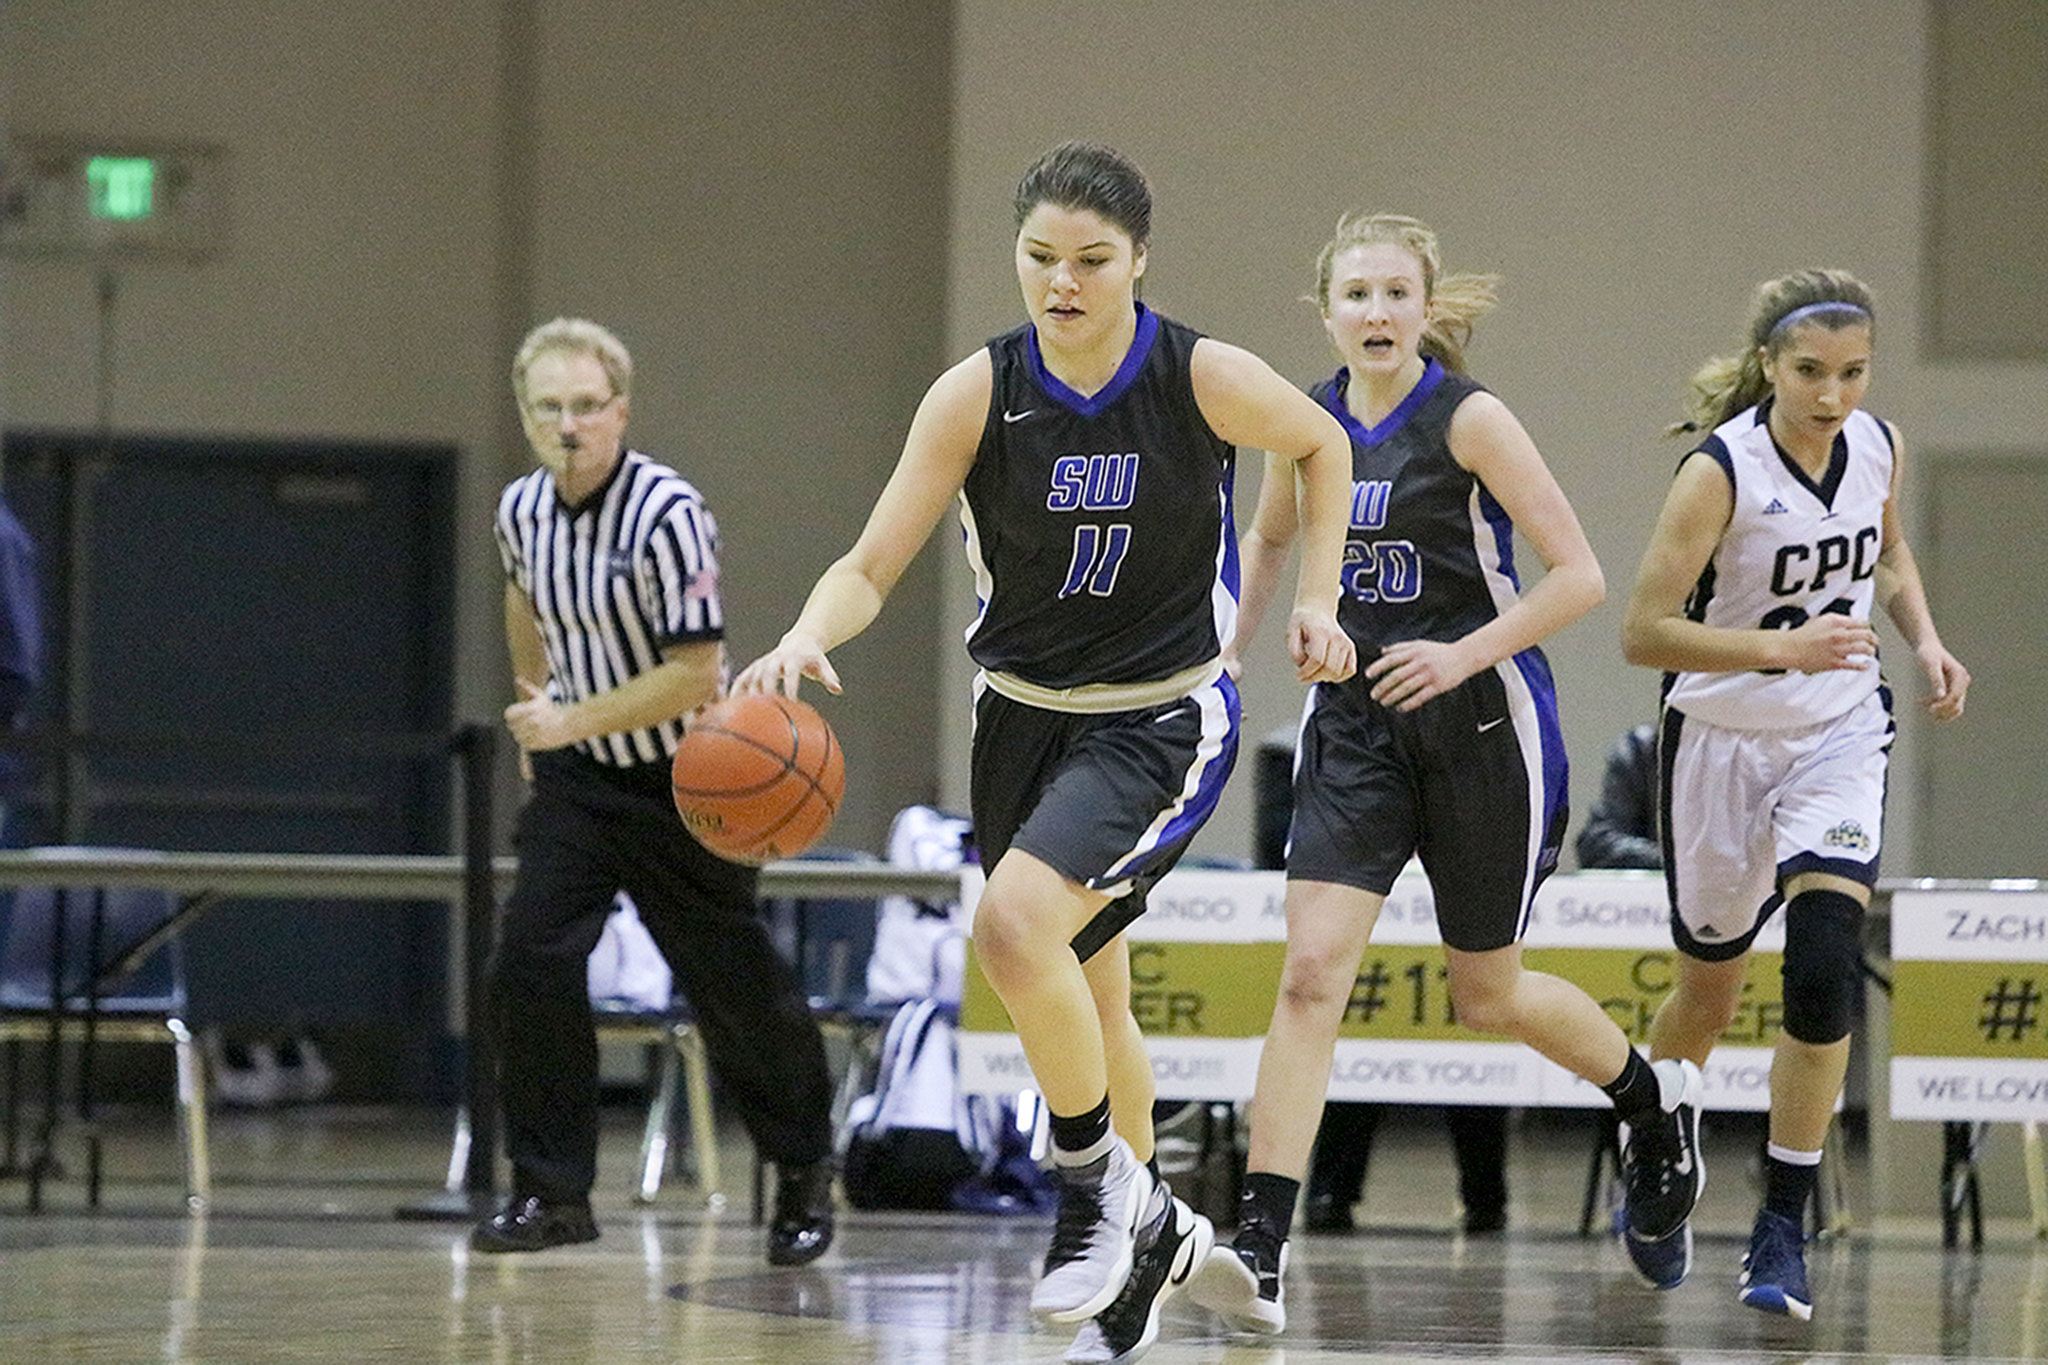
(612, 613)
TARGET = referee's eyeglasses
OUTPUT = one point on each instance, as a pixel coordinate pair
(548, 412)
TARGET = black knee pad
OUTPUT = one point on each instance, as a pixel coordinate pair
(1823, 965)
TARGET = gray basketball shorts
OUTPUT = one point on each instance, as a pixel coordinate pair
(1110, 801)
(1473, 781)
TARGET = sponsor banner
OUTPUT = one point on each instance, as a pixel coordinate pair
(1401, 992)
(1205, 1007)
(1738, 1081)
(992, 1063)
(1969, 1088)
(1405, 1072)
(1201, 990)
(1630, 983)
(1215, 907)
(1580, 910)
(1961, 926)
(1970, 1004)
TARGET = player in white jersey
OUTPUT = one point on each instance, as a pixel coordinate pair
(1780, 532)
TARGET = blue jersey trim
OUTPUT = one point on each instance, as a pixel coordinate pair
(1716, 449)
(1432, 376)
(1231, 573)
(1838, 459)
(1088, 405)
(1503, 534)
(1535, 670)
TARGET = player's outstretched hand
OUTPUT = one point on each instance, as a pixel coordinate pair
(781, 669)
(1829, 641)
(1412, 672)
(1947, 681)
(1321, 650)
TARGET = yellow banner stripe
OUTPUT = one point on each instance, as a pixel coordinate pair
(1227, 990)
(1970, 1009)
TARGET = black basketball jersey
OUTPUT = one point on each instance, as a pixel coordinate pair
(1099, 528)
(1430, 553)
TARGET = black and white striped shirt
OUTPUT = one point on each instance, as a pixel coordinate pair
(630, 571)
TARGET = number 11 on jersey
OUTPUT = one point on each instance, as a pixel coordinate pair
(1098, 554)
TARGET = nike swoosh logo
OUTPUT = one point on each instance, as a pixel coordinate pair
(1488, 725)
(1176, 711)
(1009, 416)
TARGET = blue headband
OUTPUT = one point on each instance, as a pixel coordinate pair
(1799, 315)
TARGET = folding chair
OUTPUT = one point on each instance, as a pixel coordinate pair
(76, 935)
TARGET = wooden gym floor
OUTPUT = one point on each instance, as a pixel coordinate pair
(300, 1260)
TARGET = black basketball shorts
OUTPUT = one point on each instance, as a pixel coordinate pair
(1474, 781)
(1107, 800)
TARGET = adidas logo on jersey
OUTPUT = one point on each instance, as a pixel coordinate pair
(1774, 507)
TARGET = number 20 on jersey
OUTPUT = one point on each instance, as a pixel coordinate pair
(1378, 570)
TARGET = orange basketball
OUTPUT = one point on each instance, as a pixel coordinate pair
(758, 778)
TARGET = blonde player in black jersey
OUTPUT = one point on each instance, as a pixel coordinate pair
(1446, 743)
(1091, 453)
(1780, 532)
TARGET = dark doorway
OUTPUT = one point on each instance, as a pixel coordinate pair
(250, 651)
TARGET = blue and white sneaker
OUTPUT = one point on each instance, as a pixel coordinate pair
(1660, 1264)
(1773, 1275)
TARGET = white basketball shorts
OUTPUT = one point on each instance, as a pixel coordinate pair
(1740, 811)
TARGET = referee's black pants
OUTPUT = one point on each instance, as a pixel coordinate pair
(587, 831)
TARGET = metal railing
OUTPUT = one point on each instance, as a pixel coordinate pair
(470, 883)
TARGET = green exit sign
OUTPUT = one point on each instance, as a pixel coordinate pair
(121, 189)
(112, 198)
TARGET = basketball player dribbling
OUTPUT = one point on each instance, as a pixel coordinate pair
(1446, 743)
(1092, 453)
(1780, 532)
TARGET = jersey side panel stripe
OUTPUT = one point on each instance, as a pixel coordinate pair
(1203, 784)
(984, 582)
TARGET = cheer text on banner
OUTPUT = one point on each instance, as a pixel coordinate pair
(1205, 969)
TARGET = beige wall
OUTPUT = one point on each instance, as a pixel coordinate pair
(773, 205)
(751, 194)
(1631, 182)
(353, 295)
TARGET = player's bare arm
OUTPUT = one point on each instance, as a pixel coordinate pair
(1486, 439)
(1262, 553)
(937, 455)
(1655, 632)
(1247, 404)
(1902, 594)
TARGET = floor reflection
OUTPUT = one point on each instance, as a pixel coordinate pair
(277, 1278)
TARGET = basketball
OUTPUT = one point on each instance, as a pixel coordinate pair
(758, 778)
